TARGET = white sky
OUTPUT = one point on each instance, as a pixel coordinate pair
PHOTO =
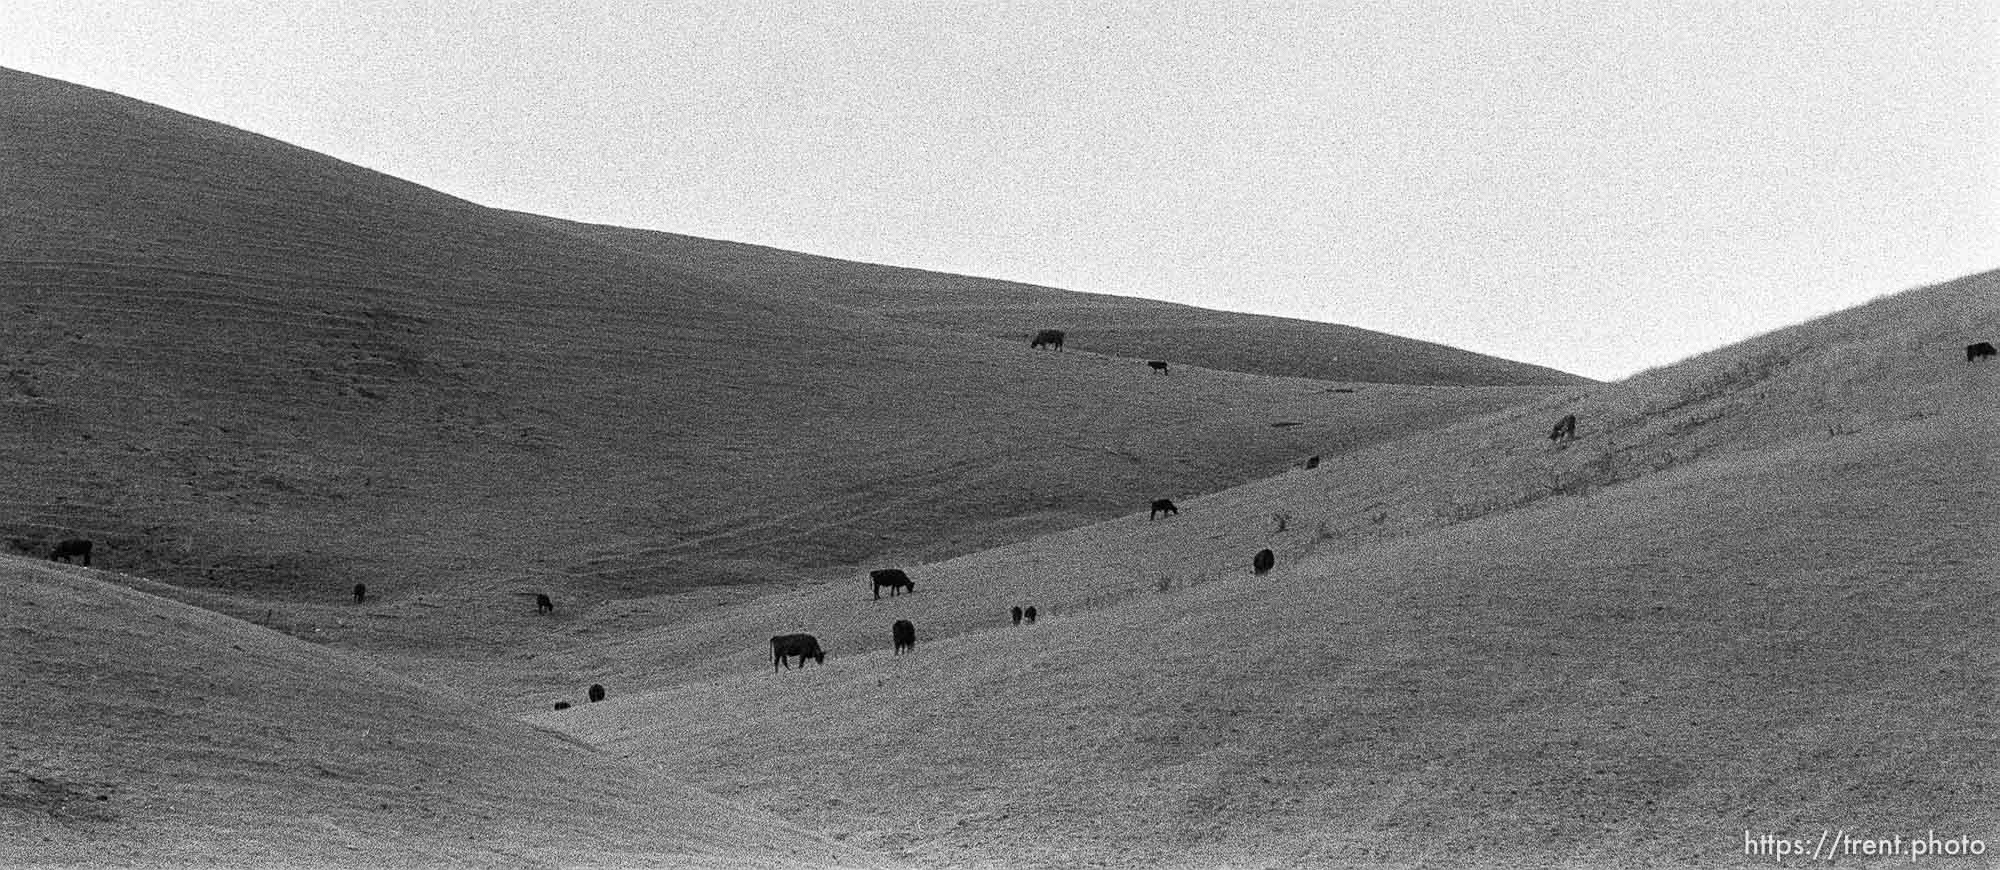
(1595, 186)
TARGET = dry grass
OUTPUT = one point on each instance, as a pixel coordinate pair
(1776, 641)
(139, 732)
(1776, 632)
(1756, 593)
(246, 367)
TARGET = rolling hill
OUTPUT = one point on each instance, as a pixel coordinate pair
(1113, 325)
(242, 366)
(1757, 594)
(141, 732)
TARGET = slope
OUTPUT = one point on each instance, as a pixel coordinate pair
(1787, 626)
(138, 731)
(240, 365)
(1114, 325)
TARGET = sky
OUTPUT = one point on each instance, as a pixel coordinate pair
(1596, 187)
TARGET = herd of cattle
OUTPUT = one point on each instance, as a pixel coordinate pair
(903, 633)
(784, 647)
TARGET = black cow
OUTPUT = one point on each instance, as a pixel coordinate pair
(1565, 429)
(597, 692)
(805, 646)
(1312, 462)
(1977, 351)
(360, 592)
(1017, 615)
(1052, 337)
(1158, 366)
(543, 604)
(1029, 615)
(1263, 561)
(562, 705)
(1162, 506)
(894, 578)
(70, 550)
(905, 635)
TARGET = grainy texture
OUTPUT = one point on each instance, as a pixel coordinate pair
(135, 731)
(1756, 592)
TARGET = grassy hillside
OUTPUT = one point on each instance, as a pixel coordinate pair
(1756, 594)
(139, 732)
(240, 365)
(1633, 677)
(1112, 325)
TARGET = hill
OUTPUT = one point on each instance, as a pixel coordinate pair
(1756, 594)
(140, 732)
(1112, 325)
(242, 366)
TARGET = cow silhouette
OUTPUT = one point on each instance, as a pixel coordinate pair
(596, 693)
(1029, 615)
(1263, 561)
(543, 604)
(562, 705)
(360, 592)
(1162, 506)
(1977, 351)
(1017, 615)
(904, 633)
(894, 578)
(805, 646)
(1565, 429)
(1051, 337)
(1158, 366)
(1312, 462)
(71, 550)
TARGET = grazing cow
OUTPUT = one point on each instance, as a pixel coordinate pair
(1343, 389)
(562, 705)
(1263, 561)
(1017, 615)
(597, 692)
(1312, 462)
(543, 604)
(1051, 337)
(894, 578)
(1162, 506)
(1565, 429)
(905, 635)
(1029, 615)
(360, 592)
(805, 646)
(70, 550)
(1158, 366)
(1981, 350)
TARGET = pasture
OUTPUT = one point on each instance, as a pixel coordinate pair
(423, 532)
